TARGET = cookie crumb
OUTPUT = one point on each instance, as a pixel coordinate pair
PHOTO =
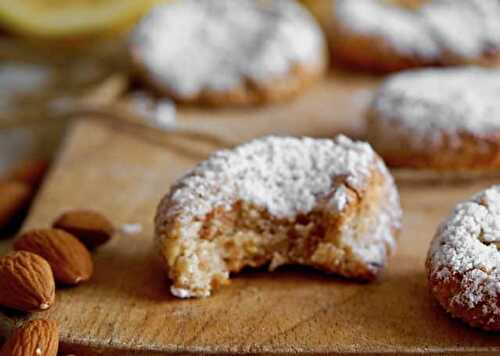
(131, 229)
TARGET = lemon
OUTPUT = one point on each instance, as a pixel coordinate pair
(70, 18)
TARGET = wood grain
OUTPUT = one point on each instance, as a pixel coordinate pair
(126, 307)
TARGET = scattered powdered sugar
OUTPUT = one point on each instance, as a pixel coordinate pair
(422, 105)
(131, 229)
(160, 114)
(194, 45)
(180, 292)
(463, 28)
(465, 246)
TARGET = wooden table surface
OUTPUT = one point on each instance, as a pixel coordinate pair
(126, 308)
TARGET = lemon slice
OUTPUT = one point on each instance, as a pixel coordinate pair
(70, 18)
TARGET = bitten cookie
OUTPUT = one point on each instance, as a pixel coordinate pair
(390, 35)
(226, 52)
(442, 120)
(330, 204)
(463, 263)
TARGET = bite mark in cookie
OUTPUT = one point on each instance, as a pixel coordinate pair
(330, 204)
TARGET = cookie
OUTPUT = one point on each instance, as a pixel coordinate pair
(383, 35)
(444, 120)
(226, 52)
(463, 261)
(329, 204)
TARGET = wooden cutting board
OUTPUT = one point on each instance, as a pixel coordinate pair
(126, 308)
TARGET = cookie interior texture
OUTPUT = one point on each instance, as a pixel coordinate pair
(344, 221)
(442, 120)
(463, 261)
(226, 52)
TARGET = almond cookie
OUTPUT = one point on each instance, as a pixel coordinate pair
(389, 35)
(444, 120)
(330, 204)
(463, 263)
(226, 52)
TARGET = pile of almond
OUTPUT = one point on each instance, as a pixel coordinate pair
(41, 259)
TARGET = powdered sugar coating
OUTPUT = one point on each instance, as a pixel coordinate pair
(430, 108)
(403, 29)
(286, 176)
(464, 248)
(195, 45)
(461, 29)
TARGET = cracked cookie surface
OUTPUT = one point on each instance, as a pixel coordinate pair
(392, 35)
(463, 263)
(226, 52)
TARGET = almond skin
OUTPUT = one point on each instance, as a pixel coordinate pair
(34, 337)
(69, 258)
(14, 198)
(26, 282)
(90, 227)
(30, 172)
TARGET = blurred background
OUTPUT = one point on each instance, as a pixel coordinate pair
(53, 53)
(56, 58)
(63, 58)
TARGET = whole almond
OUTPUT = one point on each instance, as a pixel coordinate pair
(90, 227)
(26, 282)
(33, 338)
(69, 258)
(14, 198)
(30, 172)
